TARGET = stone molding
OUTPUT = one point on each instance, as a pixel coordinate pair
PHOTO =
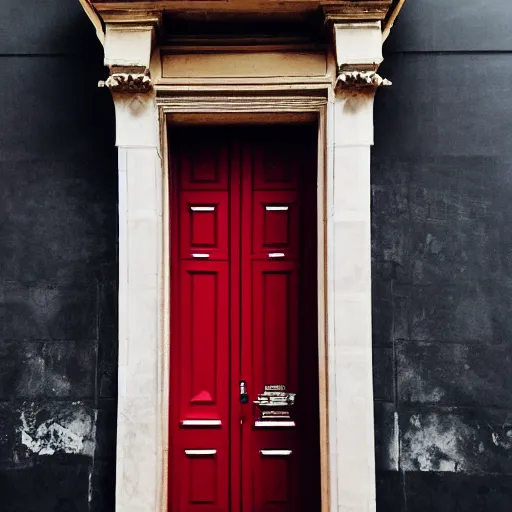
(234, 104)
(340, 9)
(128, 81)
(355, 11)
(355, 80)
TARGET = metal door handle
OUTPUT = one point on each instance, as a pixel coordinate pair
(244, 397)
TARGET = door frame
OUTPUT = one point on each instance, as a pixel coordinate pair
(251, 111)
(340, 94)
(313, 114)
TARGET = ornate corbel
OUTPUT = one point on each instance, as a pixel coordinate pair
(135, 80)
(128, 47)
(358, 79)
(357, 48)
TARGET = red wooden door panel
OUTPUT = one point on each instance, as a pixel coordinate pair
(271, 183)
(200, 326)
(275, 224)
(275, 158)
(201, 163)
(242, 308)
(200, 409)
(204, 331)
(273, 327)
(204, 225)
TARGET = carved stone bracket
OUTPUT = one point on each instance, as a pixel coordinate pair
(358, 51)
(128, 48)
(360, 80)
(134, 81)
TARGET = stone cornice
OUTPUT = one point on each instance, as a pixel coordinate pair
(334, 10)
(133, 17)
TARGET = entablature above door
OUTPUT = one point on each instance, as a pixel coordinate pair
(157, 43)
(222, 10)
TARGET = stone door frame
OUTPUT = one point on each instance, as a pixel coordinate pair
(341, 102)
(246, 110)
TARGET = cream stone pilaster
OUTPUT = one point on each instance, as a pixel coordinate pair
(139, 435)
(349, 139)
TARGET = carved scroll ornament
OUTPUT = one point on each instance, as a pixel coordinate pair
(360, 80)
(128, 81)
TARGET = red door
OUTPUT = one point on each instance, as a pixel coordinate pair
(243, 321)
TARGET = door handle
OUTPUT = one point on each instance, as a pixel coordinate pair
(244, 396)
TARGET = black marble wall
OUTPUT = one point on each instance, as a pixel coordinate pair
(442, 260)
(58, 263)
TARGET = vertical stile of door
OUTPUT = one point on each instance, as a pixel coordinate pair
(235, 374)
(308, 390)
(177, 154)
(173, 443)
(246, 315)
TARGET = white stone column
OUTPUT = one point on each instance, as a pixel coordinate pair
(139, 454)
(350, 137)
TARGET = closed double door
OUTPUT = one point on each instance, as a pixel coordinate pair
(243, 320)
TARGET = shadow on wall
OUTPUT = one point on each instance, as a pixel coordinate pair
(58, 271)
(442, 280)
(442, 265)
(442, 297)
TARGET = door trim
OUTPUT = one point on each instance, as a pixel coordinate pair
(345, 134)
(345, 120)
(276, 110)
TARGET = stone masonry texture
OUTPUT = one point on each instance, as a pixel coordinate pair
(58, 263)
(442, 260)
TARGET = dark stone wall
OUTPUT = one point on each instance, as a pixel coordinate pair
(58, 263)
(442, 260)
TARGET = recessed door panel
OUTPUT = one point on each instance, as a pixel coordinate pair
(200, 164)
(274, 324)
(204, 225)
(275, 480)
(204, 350)
(203, 476)
(243, 326)
(275, 223)
(275, 162)
(201, 484)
